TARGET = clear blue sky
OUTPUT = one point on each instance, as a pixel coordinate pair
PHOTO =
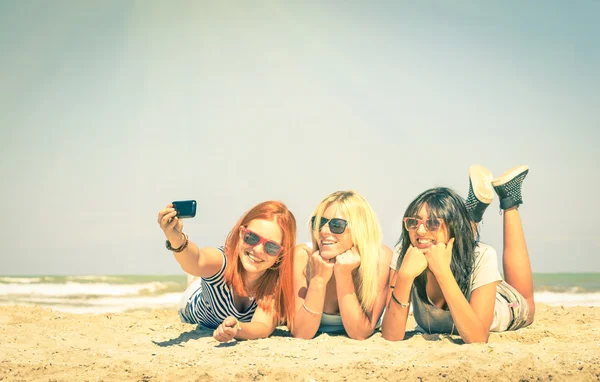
(109, 110)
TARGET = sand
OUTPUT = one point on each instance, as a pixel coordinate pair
(38, 344)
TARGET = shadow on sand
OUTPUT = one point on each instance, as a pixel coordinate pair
(198, 332)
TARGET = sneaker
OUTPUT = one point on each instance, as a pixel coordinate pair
(508, 186)
(481, 192)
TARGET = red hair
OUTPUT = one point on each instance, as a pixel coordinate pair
(274, 290)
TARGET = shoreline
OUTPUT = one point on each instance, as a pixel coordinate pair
(39, 344)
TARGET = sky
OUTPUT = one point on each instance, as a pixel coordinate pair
(110, 110)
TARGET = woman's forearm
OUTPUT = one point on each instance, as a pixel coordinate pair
(308, 315)
(396, 314)
(189, 259)
(254, 330)
(468, 325)
(357, 324)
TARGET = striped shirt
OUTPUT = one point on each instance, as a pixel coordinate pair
(210, 301)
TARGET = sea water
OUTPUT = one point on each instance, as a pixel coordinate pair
(100, 294)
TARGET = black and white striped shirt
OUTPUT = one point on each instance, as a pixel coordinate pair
(212, 301)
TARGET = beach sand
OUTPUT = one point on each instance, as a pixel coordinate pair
(39, 344)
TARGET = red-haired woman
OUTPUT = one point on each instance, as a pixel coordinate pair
(244, 289)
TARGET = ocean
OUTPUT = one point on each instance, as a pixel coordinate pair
(103, 294)
(93, 294)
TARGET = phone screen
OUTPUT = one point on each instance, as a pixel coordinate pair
(185, 208)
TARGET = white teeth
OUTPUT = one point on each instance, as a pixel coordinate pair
(328, 242)
(253, 258)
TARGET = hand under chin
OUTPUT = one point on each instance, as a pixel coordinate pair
(329, 258)
(328, 255)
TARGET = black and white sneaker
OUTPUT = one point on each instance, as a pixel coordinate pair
(508, 186)
(481, 192)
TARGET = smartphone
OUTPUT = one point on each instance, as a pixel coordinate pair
(185, 208)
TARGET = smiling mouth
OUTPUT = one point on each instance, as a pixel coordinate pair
(253, 258)
(424, 242)
(327, 242)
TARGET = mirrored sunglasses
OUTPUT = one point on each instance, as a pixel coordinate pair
(253, 239)
(337, 226)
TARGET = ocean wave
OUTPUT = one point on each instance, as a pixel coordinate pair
(104, 294)
(97, 304)
(92, 279)
(103, 305)
(20, 280)
(567, 299)
(573, 289)
(75, 289)
(108, 279)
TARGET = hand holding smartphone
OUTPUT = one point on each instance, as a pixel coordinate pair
(185, 208)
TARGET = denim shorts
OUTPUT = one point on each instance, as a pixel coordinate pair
(511, 307)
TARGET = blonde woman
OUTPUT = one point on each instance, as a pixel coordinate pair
(340, 281)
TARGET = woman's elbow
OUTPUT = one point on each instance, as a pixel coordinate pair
(483, 339)
(188, 270)
(392, 336)
(302, 335)
(359, 335)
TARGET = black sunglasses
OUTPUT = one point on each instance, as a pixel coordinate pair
(253, 239)
(337, 226)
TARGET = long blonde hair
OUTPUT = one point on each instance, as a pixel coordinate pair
(366, 237)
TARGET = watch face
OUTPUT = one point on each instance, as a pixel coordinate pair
(170, 247)
(181, 248)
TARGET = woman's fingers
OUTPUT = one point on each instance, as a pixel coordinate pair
(450, 245)
(178, 225)
(164, 211)
(172, 222)
(218, 334)
(229, 332)
(223, 333)
(168, 219)
(230, 322)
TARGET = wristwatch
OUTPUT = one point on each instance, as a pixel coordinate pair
(179, 249)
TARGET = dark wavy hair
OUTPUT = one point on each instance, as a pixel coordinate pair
(446, 204)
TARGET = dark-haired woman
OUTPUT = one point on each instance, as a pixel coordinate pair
(450, 278)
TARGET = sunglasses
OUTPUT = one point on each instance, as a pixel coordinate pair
(253, 239)
(337, 226)
(413, 224)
